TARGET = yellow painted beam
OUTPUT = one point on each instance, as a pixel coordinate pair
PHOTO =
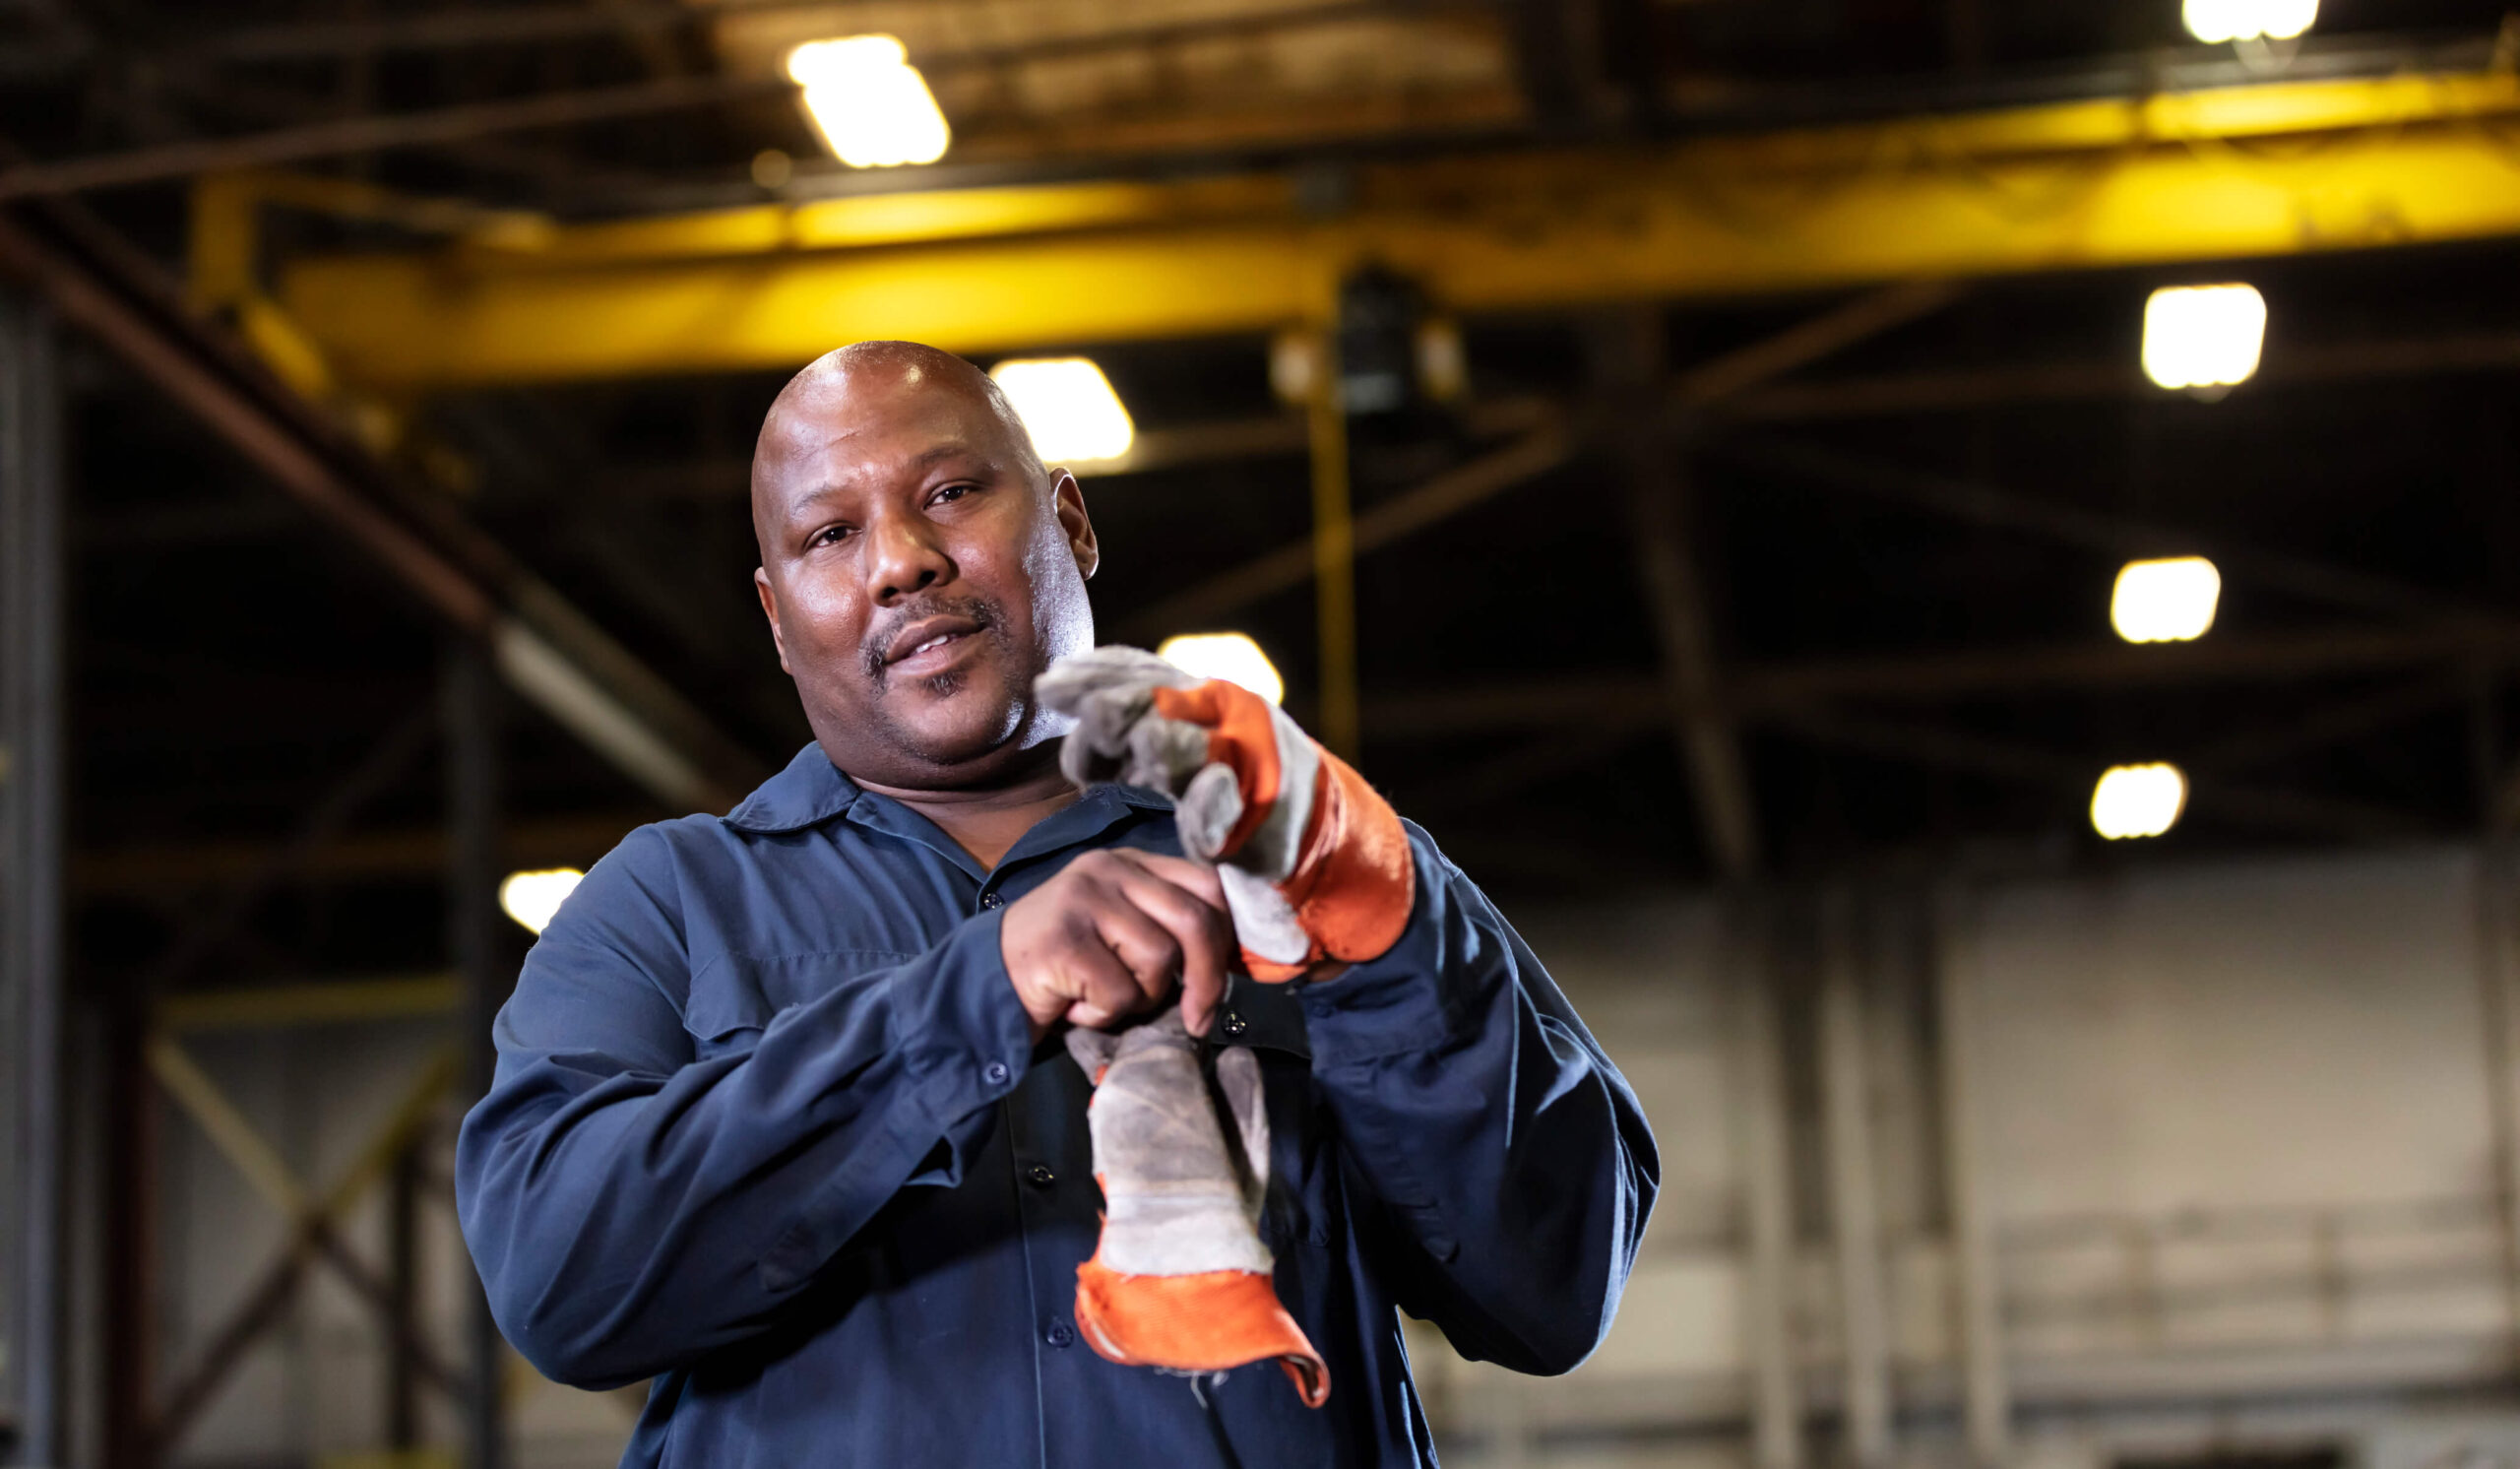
(2236, 173)
(281, 1006)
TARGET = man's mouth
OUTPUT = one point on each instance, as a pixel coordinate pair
(929, 641)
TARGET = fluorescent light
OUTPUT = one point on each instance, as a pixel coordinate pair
(870, 105)
(2214, 21)
(1228, 656)
(531, 898)
(2170, 601)
(2203, 336)
(1068, 406)
(2137, 801)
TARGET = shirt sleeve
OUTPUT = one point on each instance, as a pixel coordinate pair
(632, 1207)
(1509, 1155)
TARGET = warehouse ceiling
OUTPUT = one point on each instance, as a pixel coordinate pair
(1902, 538)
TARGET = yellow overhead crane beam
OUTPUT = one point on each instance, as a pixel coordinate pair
(2271, 169)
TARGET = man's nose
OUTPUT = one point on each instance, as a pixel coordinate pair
(906, 560)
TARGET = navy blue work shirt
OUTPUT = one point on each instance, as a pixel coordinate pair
(768, 1127)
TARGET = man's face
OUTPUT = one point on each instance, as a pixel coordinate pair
(917, 575)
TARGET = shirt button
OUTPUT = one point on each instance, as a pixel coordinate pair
(1039, 1175)
(1234, 1024)
(994, 1073)
(1058, 1335)
(991, 899)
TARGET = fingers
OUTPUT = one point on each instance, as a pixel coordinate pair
(1186, 900)
(1198, 878)
(1100, 988)
(1147, 948)
(1114, 935)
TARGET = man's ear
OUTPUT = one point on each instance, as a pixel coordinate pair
(1068, 500)
(770, 610)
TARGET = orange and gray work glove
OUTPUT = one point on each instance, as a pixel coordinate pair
(1313, 861)
(1180, 1280)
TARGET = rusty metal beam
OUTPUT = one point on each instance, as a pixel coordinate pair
(2017, 385)
(544, 647)
(2072, 776)
(1763, 691)
(1456, 489)
(2114, 535)
(1552, 440)
(352, 858)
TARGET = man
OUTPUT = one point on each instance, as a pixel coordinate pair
(782, 1117)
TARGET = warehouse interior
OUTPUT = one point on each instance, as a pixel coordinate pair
(2074, 1041)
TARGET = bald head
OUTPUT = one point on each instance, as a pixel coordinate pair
(918, 565)
(823, 394)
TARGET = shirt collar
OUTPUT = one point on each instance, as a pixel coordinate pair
(812, 790)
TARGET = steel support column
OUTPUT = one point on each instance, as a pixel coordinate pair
(32, 778)
(476, 943)
(1985, 1390)
(1334, 556)
(1855, 1204)
(1767, 1194)
(402, 1279)
(2498, 1004)
(1628, 367)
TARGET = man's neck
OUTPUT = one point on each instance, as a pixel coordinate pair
(986, 822)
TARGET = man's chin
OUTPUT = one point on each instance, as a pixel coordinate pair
(953, 732)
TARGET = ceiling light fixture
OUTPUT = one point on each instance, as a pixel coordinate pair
(1228, 656)
(2169, 601)
(2203, 336)
(2137, 801)
(2214, 21)
(870, 105)
(531, 898)
(1068, 406)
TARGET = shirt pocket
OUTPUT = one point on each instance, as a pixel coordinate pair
(737, 996)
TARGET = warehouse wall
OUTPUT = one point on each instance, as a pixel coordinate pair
(2238, 1144)
(2235, 1137)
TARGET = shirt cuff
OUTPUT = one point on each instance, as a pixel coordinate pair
(956, 1019)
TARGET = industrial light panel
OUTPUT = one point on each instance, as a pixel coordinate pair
(1068, 406)
(1228, 656)
(870, 105)
(531, 898)
(2203, 336)
(2137, 801)
(2216, 21)
(2169, 601)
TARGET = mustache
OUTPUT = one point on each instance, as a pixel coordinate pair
(880, 635)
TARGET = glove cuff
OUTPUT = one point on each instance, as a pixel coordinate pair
(1355, 881)
(1209, 1323)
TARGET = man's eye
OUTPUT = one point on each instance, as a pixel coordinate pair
(951, 492)
(829, 536)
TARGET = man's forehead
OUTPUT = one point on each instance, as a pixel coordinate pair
(844, 404)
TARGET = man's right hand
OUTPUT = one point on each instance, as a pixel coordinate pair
(1113, 934)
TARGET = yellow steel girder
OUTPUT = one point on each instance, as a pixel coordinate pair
(2240, 172)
